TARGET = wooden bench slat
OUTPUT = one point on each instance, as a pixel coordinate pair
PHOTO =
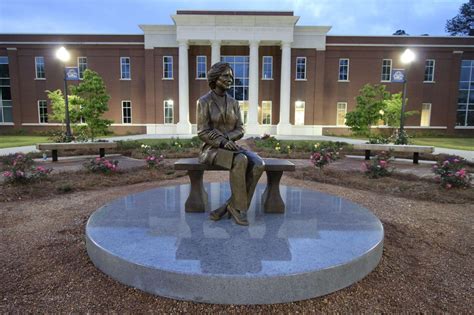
(394, 147)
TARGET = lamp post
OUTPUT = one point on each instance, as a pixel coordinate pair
(407, 58)
(64, 55)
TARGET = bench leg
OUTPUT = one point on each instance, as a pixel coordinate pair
(54, 155)
(271, 198)
(101, 152)
(416, 156)
(367, 154)
(197, 199)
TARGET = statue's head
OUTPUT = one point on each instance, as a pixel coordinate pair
(216, 71)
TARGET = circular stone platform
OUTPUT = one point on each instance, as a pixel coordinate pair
(321, 244)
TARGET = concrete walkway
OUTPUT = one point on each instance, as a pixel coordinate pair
(468, 155)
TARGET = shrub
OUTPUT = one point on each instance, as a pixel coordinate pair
(378, 140)
(451, 172)
(284, 148)
(322, 156)
(400, 137)
(20, 169)
(101, 165)
(152, 157)
(378, 166)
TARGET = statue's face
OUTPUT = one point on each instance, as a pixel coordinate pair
(225, 80)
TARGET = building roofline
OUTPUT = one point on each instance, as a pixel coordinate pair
(232, 12)
(404, 36)
(73, 34)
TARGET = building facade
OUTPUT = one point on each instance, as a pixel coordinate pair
(289, 79)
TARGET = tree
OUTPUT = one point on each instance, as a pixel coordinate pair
(370, 104)
(59, 109)
(400, 32)
(93, 100)
(461, 23)
(392, 110)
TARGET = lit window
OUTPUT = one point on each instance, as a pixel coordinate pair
(266, 113)
(343, 69)
(201, 67)
(386, 70)
(341, 113)
(167, 67)
(425, 114)
(429, 70)
(299, 112)
(125, 68)
(300, 68)
(126, 112)
(267, 67)
(6, 113)
(43, 111)
(81, 66)
(244, 110)
(39, 68)
(168, 106)
(465, 112)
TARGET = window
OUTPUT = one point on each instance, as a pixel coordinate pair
(266, 113)
(125, 68)
(168, 105)
(343, 69)
(341, 113)
(201, 67)
(82, 66)
(39, 68)
(465, 112)
(425, 114)
(43, 111)
(299, 112)
(168, 67)
(386, 70)
(429, 70)
(6, 115)
(240, 89)
(126, 112)
(244, 111)
(267, 68)
(300, 68)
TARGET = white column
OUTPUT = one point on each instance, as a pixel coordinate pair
(252, 123)
(215, 52)
(183, 126)
(284, 127)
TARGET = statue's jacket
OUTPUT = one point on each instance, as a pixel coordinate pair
(210, 116)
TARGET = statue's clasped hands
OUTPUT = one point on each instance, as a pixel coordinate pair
(228, 144)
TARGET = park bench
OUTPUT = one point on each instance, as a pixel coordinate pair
(271, 198)
(55, 147)
(415, 149)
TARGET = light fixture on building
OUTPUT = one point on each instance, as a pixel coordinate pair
(63, 55)
(407, 58)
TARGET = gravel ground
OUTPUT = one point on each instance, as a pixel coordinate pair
(426, 265)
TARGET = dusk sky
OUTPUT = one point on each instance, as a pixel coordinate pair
(347, 17)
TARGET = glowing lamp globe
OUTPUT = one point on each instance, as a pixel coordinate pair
(62, 54)
(408, 56)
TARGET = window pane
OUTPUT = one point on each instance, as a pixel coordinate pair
(461, 118)
(5, 93)
(465, 74)
(470, 118)
(7, 114)
(4, 71)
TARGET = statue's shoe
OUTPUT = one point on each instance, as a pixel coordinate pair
(240, 217)
(217, 214)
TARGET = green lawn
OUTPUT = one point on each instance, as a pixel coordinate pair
(450, 143)
(9, 141)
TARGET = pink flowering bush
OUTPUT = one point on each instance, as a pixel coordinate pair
(152, 157)
(323, 156)
(101, 165)
(20, 169)
(451, 173)
(378, 166)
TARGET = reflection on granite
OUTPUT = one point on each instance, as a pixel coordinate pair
(316, 231)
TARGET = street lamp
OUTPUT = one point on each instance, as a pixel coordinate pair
(64, 55)
(407, 58)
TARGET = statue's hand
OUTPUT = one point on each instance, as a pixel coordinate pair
(214, 134)
(230, 145)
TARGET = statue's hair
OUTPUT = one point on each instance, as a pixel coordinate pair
(214, 73)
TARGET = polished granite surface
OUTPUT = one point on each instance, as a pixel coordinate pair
(151, 229)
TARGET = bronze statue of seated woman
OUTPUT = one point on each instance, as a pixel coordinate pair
(220, 125)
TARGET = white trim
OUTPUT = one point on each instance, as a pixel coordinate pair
(7, 124)
(129, 70)
(131, 117)
(164, 112)
(172, 66)
(399, 45)
(305, 69)
(197, 67)
(389, 74)
(263, 67)
(40, 79)
(128, 125)
(463, 127)
(71, 43)
(339, 70)
(44, 125)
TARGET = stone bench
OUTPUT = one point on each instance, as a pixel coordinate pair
(55, 147)
(415, 149)
(271, 198)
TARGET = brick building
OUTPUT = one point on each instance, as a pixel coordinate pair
(289, 79)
